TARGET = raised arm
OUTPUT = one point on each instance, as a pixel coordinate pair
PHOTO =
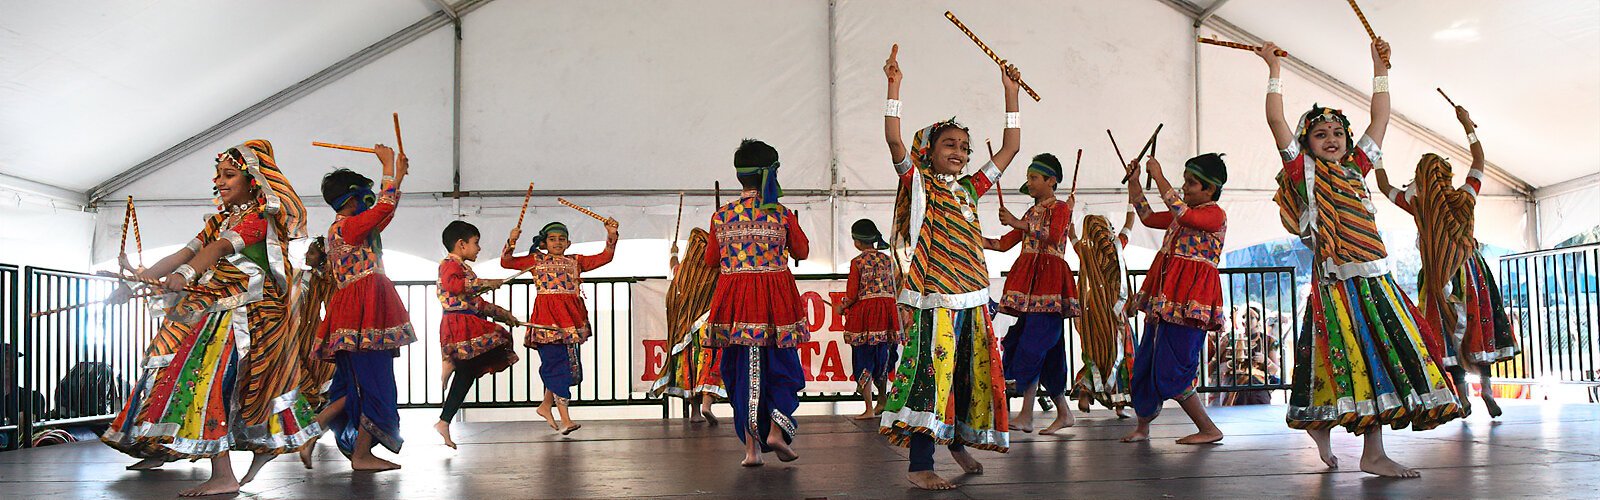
(1282, 135)
(1380, 92)
(589, 262)
(1472, 143)
(1163, 187)
(1011, 141)
(1389, 191)
(891, 112)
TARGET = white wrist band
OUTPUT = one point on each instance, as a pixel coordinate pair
(187, 271)
(1380, 84)
(1472, 138)
(1274, 85)
(1013, 119)
(891, 107)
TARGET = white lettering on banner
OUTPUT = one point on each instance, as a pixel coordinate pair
(826, 358)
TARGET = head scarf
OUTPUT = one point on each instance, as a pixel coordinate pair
(1041, 168)
(770, 190)
(1209, 168)
(546, 231)
(280, 205)
(1317, 115)
(921, 155)
(1100, 276)
(867, 232)
(1444, 229)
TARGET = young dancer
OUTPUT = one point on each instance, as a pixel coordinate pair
(366, 320)
(948, 389)
(306, 304)
(559, 322)
(757, 317)
(1458, 294)
(1182, 294)
(1041, 294)
(473, 344)
(692, 370)
(871, 318)
(1362, 361)
(1103, 328)
(222, 374)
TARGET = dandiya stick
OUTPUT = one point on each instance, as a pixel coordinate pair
(87, 304)
(154, 283)
(524, 212)
(503, 282)
(1368, 26)
(330, 145)
(1075, 166)
(397, 142)
(138, 240)
(1000, 193)
(952, 17)
(679, 224)
(127, 215)
(1452, 103)
(1236, 45)
(584, 211)
(1147, 145)
(1115, 148)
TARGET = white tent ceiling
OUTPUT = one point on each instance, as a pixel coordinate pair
(597, 96)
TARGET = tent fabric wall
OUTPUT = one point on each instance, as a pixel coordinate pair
(658, 96)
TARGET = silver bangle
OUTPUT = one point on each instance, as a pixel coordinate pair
(1380, 84)
(187, 271)
(387, 179)
(1274, 85)
(891, 108)
(1472, 138)
(1013, 119)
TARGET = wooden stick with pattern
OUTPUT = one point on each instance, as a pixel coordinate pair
(397, 142)
(997, 60)
(1240, 46)
(1075, 166)
(1000, 193)
(1368, 26)
(603, 219)
(1452, 103)
(330, 145)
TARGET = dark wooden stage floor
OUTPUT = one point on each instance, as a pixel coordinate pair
(1534, 450)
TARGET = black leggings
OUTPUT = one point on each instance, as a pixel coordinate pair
(461, 380)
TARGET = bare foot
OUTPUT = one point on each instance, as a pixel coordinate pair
(1063, 419)
(215, 486)
(147, 464)
(1123, 412)
(1201, 437)
(782, 449)
(1023, 425)
(372, 463)
(444, 431)
(866, 415)
(968, 464)
(711, 419)
(1494, 408)
(927, 480)
(548, 417)
(751, 461)
(696, 417)
(1383, 466)
(1136, 435)
(1324, 448)
(569, 428)
(256, 463)
(1083, 404)
(307, 450)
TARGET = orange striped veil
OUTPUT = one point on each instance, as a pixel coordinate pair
(1444, 229)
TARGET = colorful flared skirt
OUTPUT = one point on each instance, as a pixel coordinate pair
(691, 368)
(1361, 360)
(949, 385)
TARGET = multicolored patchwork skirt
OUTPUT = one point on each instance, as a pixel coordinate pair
(1107, 373)
(1362, 360)
(217, 392)
(949, 386)
(691, 368)
(1482, 333)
